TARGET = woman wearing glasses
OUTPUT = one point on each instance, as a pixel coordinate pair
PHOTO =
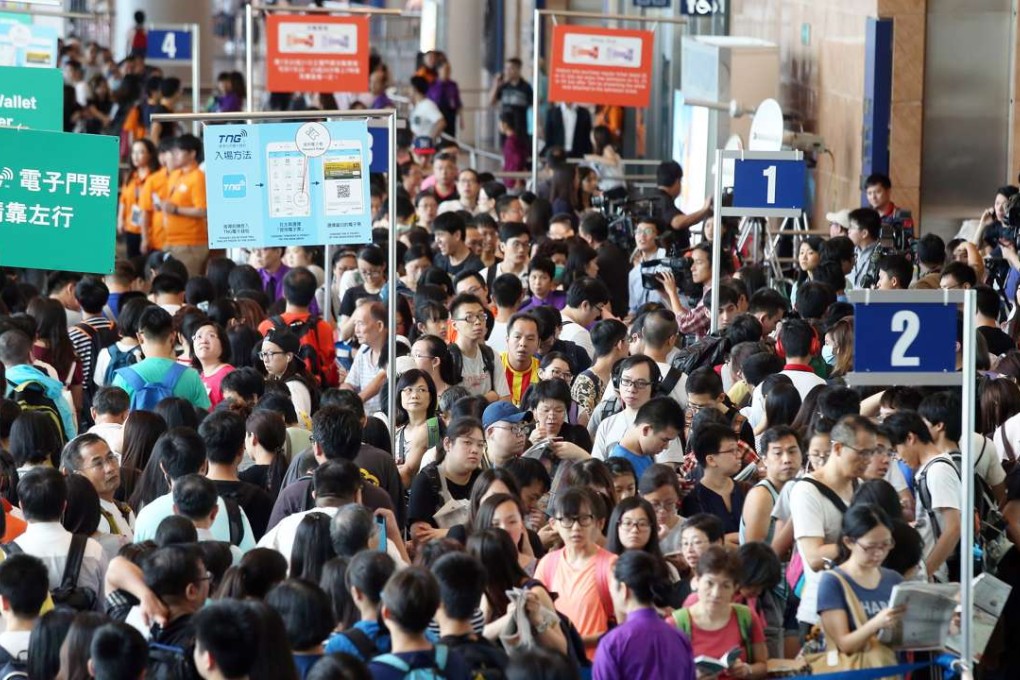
(211, 358)
(431, 355)
(372, 272)
(860, 584)
(418, 426)
(279, 357)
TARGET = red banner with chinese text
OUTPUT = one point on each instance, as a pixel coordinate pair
(601, 66)
(316, 54)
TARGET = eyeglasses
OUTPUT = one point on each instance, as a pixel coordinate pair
(472, 319)
(640, 525)
(268, 355)
(543, 411)
(876, 548)
(636, 384)
(647, 231)
(517, 245)
(562, 375)
(696, 543)
(371, 273)
(421, 356)
(205, 336)
(728, 452)
(415, 390)
(863, 453)
(516, 430)
(583, 521)
(664, 505)
(208, 577)
(110, 459)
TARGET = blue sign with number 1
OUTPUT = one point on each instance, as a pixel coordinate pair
(169, 45)
(768, 184)
(904, 338)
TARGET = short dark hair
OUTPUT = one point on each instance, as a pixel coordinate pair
(868, 220)
(42, 492)
(587, 289)
(118, 652)
(25, 584)
(338, 431)
(194, 496)
(988, 302)
(606, 334)
(596, 226)
(796, 336)
(92, 294)
(299, 286)
(224, 629)
(668, 173)
(526, 472)
(838, 249)
(813, 298)
(897, 266)
(340, 479)
(961, 272)
(246, 382)
(306, 611)
(155, 323)
(704, 380)
(710, 525)
(944, 407)
(878, 178)
(661, 413)
(181, 451)
(931, 250)
(744, 328)
(169, 570)
(461, 578)
(411, 598)
(506, 290)
(223, 432)
(769, 301)
(773, 435)
(759, 366)
(707, 440)
(450, 222)
(168, 284)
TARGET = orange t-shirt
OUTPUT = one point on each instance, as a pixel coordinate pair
(154, 193)
(186, 189)
(130, 195)
(577, 591)
(14, 526)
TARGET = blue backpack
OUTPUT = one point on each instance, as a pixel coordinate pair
(120, 359)
(434, 673)
(145, 395)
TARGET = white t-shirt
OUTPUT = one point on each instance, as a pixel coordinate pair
(986, 463)
(944, 487)
(497, 338)
(804, 381)
(424, 116)
(477, 380)
(577, 334)
(814, 516)
(281, 537)
(104, 358)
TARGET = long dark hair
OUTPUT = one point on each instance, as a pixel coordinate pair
(815, 243)
(613, 542)
(334, 583)
(483, 483)
(74, 655)
(782, 404)
(141, 430)
(561, 186)
(45, 641)
(407, 379)
(487, 511)
(51, 327)
(271, 430)
(645, 575)
(858, 520)
(496, 550)
(312, 547)
(258, 571)
(438, 349)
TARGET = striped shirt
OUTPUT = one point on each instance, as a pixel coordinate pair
(82, 342)
(518, 381)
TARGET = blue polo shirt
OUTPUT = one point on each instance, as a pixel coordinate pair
(640, 463)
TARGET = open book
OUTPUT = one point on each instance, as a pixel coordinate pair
(929, 610)
(989, 596)
(710, 664)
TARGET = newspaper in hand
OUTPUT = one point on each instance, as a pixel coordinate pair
(929, 611)
(989, 598)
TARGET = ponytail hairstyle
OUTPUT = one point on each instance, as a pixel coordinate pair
(646, 577)
(259, 570)
(438, 349)
(271, 431)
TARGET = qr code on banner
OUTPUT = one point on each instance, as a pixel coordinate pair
(343, 190)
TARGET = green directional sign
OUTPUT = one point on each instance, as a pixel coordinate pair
(31, 98)
(58, 200)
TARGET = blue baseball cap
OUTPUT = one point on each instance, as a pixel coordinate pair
(505, 412)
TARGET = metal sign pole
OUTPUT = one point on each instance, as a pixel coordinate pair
(536, 41)
(196, 83)
(716, 241)
(967, 475)
(249, 67)
(390, 115)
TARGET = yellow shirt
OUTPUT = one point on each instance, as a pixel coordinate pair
(518, 380)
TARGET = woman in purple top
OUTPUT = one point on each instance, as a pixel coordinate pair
(643, 645)
(445, 93)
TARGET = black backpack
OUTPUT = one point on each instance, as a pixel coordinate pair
(12, 668)
(484, 660)
(709, 351)
(170, 662)
(68, 593)
(365, 645)
(234, 519)
(31, 396)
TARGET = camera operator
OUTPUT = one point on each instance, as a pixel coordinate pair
(931, 254)
(668, 179)
(992, 224)
(698, 320)
(865, 229)
(646, 234)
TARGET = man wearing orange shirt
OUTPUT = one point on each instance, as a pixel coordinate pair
(151, 199)
(184, 210)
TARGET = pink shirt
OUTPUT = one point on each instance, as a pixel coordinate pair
(213, 383)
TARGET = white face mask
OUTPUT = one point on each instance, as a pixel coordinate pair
(828, 355)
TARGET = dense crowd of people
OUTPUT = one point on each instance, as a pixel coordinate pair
(200, 476)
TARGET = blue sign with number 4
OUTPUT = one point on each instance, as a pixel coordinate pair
(768, 184)
(904, 338)
(169, 45)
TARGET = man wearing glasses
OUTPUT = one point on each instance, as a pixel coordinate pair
(90, 456)
(514, 247)
(475, 360)
(505, 432)
(817, 505)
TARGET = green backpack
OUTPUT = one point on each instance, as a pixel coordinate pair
(682, 618)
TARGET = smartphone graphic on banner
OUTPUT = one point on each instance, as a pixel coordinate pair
(343, 178)
(287, 177)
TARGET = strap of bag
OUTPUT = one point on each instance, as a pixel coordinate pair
(357, 637)
(744, 624)
(924, 495)
(393, 661)
(1008, 448)
(12, 548)
(169, 380)
(831, 495)
(857, 615)
(131, 377)
(75, 555)
(234, 520)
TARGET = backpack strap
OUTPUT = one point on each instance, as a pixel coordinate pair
(172, 376)
(11, 548)
(75, 555)
(744, 623)
(234, 520)
(602, 583)
(924, 495)
(131, 377)
(831, 495)
(278, 323)
(440, 657)
(489, 362)
(432, 425)
(1007, 447)
(364, 644)
(682, 619)
(393, 661)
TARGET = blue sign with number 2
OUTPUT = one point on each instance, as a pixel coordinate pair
(768, 184)
(904, 338)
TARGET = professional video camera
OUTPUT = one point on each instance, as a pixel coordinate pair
(897, 232)
(619, 212)
(1009, 232)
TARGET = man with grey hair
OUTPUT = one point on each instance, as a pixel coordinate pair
(30, 385)
(90, 456)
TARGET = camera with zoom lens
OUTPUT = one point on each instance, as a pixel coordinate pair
(679, 267)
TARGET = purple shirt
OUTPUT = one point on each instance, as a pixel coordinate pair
(644, 646)
(557, 299)
(277, 285)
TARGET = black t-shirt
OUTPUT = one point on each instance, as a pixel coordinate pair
(255, 502)
(350, 300)
(614, 270)
(426, 497)
(472, 263)
(998, 342)
(703, 499)
(515, 95)
(666, 210)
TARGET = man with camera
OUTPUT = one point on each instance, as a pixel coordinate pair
(865, 229)
(668, 179)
